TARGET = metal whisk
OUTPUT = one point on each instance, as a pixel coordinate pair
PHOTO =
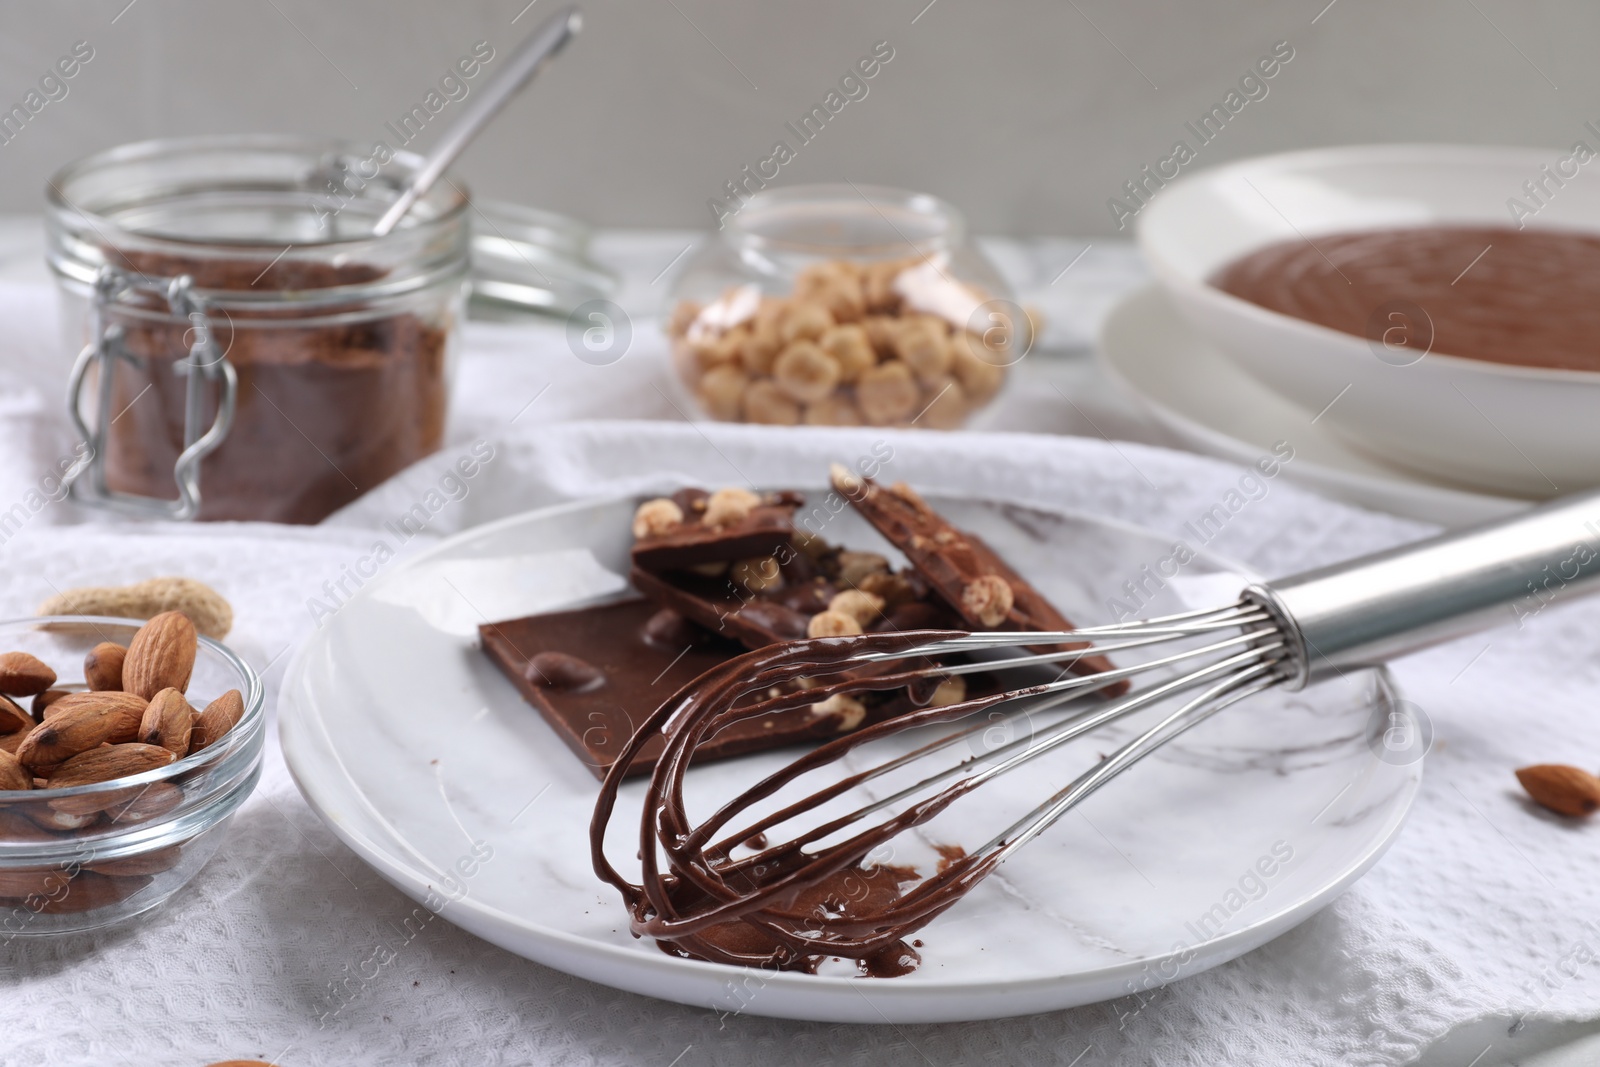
(779, 891)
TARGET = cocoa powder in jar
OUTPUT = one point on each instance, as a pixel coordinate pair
(325, 410)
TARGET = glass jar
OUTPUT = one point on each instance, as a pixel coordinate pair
(248, 349)
(843, 305)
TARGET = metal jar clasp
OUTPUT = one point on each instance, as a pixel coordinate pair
(204, 363)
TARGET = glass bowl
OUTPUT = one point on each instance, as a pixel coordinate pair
(123, 847)
(843, 305)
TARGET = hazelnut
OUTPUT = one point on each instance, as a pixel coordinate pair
(892, 589)
(988, 599)
(953, 690)
(865, 608)
(721, 392)
(838, 290)
(945, 406)
(887, 393)
(805, 372)
(765, 402)
(810, 545)
(851, 349)
(835, 410)
(730, 505)
(881, 330)
(845, 480)
(803, 320)
(848, 710)
(904, 491)
(760, 346)
(979, 370)
(656, 517)
(758, 575)
(832, 624)
(854, 567)
(923, 342)
(681, 317)
(714, 569)
(877, 285)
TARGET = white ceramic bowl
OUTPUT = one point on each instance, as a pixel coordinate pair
(1519, 430)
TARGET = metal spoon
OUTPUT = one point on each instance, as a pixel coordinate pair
(543, 43)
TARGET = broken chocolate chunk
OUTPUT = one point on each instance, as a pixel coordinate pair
(767, 528)
(636, 675)
(960, 567)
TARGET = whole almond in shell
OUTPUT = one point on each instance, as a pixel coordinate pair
(210, 612)
(102, 667)
(168, 722)
(78, 723)
(1563, 789)
(13, 775)
(23, 675)
(160, 656)
(219, 716)
(12, 717)
(105, 765)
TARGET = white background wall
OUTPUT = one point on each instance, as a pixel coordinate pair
(1028, 114)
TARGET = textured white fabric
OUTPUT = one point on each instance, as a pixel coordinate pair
(1483, 906)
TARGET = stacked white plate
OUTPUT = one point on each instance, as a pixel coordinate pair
(1445, 439)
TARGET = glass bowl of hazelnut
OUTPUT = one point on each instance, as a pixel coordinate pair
(843, 305)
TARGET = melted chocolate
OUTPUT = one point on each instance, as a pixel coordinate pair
(1523, 297)
(765, 910)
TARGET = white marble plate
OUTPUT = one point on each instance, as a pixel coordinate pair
(421, 757)
(1214, 407)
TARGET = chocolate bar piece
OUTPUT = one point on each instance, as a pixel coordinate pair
(596, 673)
(761, 531)
(963, 570)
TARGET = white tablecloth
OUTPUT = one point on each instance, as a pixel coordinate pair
(1483, 911)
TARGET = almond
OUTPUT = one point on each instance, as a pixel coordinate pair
(1563, 789)
(152, 802)
(12, 717)
(48, 818)
(42, 702)
(78, 723)
(13, 775)
(22, 675)
(162, 859)
(168, 722)
(102, 667)
(105, 765)
(33, 882)
(160, 656)
(15, 827)
(89, 891)
(11, 742)
(220, 716)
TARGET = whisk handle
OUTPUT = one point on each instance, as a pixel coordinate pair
(1377, 608)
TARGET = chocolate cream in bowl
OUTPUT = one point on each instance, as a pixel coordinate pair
(1524, 297)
